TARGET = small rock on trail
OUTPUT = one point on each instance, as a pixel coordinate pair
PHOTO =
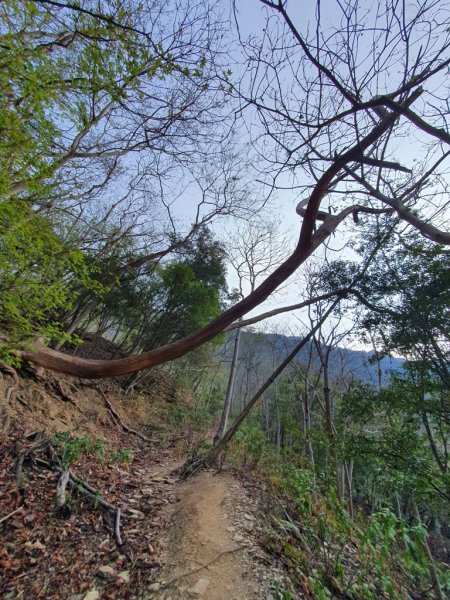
(207, 557)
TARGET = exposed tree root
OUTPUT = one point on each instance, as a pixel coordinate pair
(11, 371)
(91, 492)
(27, 453)
(117, 528)
(41, 444)
(61, 502)
(201, 567)
(10, 393)
(57, 386)
(118, 421)
(191, 467)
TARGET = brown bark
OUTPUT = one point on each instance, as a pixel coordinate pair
(308, 242)
(217, 450)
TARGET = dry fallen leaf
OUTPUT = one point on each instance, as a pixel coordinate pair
(37, 545)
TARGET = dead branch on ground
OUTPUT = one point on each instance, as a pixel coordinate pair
(11, 514)
(118, 421)
(201, 567)
(41, 444)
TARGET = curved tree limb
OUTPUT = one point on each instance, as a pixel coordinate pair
(308, 242)
(354, 154)
(97, 369)
(278, 311)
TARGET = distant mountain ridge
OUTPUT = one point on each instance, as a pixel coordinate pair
(269, 347)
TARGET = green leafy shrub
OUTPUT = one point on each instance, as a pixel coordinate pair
(249, 444)
(39, 275)
(71, 448)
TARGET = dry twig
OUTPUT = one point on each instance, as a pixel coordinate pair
(6, 517)
(117, 528)
(204, 566)
(119, 421)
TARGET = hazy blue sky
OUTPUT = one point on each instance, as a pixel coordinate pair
(251, 17)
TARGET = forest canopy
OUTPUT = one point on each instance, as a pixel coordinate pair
(116, 114)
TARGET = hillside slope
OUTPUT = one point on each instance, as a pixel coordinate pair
(113, 444)
(265, 349)
(120, 451)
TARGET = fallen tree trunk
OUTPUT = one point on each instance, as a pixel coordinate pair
(309, 241)
(192, 467)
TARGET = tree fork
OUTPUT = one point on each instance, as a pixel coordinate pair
(307, 244)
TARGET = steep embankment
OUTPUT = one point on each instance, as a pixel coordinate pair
(118, 452)
(113, 445)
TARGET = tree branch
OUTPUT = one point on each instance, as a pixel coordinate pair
(278, 311)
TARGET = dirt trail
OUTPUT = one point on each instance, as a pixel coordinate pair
(201, 530)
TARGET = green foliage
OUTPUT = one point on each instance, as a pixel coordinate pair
(389, 443)
(179, 419)
(70, 79)
(71, 448)
(318, 586)
(199, 449)
(375, 554)
(406, 295)
(28, 82)
(178, 415)
(249, 444)
(278, 593)
(192, 303)
(39, 274)
(54, 62)
(170, 300)
(206, 257)
(388, 544)
(299, 484)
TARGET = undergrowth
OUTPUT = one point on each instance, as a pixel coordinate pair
(328, 553)
(180, 420)
(71, 448)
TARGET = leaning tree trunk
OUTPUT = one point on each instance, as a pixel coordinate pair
(214, 454)
(230, 390)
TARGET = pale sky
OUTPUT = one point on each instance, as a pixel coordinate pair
(251, 17)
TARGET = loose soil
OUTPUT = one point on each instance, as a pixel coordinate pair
(212, 551)
(181, 540)
(200, 533)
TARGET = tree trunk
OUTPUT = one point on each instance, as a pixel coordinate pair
(216, 451)
(348, 470)
(440, 463)
(230, 390)
(330, 429)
